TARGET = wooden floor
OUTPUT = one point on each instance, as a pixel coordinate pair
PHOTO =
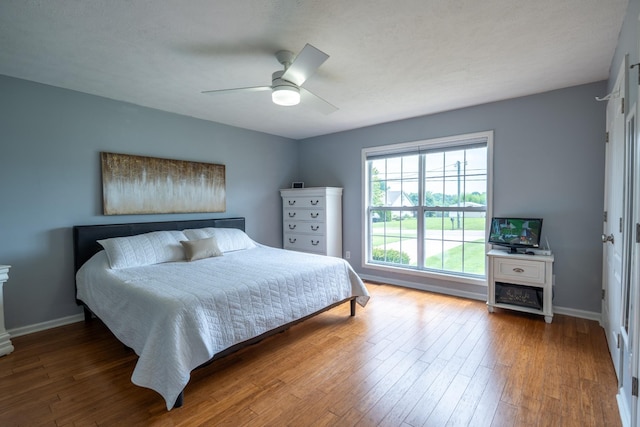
(410, 358)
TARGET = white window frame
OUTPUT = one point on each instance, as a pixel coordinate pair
(435, 143)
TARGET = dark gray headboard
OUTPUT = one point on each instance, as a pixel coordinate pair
(85, 237)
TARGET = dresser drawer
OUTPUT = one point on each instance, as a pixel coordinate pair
(520, 270)
(304, 215)
(304, 202)
(304, 227)
(306, 243)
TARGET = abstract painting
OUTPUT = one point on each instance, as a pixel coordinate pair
(150, 185)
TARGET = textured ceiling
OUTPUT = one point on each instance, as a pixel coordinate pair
(389, 60)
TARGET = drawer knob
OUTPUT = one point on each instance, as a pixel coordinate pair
(292, 202)
(315, 242)
(292, 240)
(518, 270)
(315, 228)
(314, 215)
(292, 214)
(292, 226)
(314, 202)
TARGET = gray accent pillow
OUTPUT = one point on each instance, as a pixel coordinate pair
(202, 248)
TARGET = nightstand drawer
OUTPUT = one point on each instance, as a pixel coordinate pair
(514, 269)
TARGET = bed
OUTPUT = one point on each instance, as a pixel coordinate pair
(179, 314)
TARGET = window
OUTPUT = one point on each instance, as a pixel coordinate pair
(426, 205)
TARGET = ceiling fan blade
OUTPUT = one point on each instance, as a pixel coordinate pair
(314, 101)
(305, 64)
(238, 89)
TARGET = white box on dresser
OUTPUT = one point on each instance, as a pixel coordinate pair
(5, 342)
(312, 220)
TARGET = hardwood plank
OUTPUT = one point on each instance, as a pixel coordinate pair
(409, 358)
(373, 399)
(468, 402)
(434, 393)
(506, 415)
(553, 373)
(550, 412)
(360, 391)
(395, 394)
(448, 402)
(488, 404)
(514, 386)
(529, 412)
(411, 398)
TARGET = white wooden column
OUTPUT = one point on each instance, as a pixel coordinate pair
(5, 342)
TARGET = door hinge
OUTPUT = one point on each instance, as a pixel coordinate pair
(604, 217)
(606, 137)
(622, 104)
(637, 233)
(631, 67)
(620, 225)
(604, 293)
(634, 386)
(619, 339)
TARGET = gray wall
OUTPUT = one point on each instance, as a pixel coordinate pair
(50, 140)
(548, 162)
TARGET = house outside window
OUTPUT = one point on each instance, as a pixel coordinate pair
(426, 206)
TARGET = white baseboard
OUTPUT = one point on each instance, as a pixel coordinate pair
(24, 330)
(623, 408)
(582, 314)
(425, 287)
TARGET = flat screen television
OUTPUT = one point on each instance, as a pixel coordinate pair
(516, 233)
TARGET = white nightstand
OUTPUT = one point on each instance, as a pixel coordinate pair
(516, 281)
(5, 342)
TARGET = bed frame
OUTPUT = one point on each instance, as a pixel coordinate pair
(85, 245)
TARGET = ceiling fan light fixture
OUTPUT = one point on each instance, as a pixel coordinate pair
(285, 95)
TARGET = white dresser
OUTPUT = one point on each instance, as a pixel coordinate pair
(312, 220)
(5, 342)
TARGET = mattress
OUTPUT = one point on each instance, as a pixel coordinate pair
(178, 315)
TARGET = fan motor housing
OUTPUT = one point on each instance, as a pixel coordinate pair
(277, 80)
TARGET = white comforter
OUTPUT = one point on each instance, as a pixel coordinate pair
(177, 315)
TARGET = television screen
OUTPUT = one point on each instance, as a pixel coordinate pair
(516, 232)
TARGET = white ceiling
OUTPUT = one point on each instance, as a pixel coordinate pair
(389, 60)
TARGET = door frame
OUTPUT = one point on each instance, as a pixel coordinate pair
(611, 319)
(634, 279)
(619, 223)
(628, 368)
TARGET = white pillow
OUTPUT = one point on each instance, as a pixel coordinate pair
(228, 239)
(201, 248)
(144, 249)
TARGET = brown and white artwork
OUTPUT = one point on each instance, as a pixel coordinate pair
(149, 185)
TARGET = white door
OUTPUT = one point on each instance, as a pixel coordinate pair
(612, 229)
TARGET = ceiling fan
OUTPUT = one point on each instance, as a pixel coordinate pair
(286, 84)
